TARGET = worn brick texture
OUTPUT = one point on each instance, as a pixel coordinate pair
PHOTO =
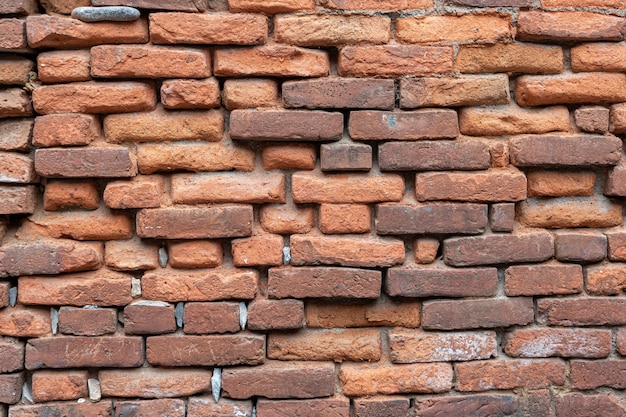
(303, 208)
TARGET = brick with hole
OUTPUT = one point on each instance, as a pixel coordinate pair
(572, 26)
(25, 321)
(71, 129)
(87, 321)
(382, 312)
(59, 385)
(149, 317)
(545, 279)
(130, 255)
(216, 317)
(195, 254)
(190, 94)
(152, 383)
(266, 314)
(441, 282)
(64, 66)
(565, 343)
(509, 374)
(581, 312)
(250, 93)
(462, 28)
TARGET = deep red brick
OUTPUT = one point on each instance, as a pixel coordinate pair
(11, 387)
(11, 356)
(431, 218)
(433, 156)
(59, 385)
(182, 5)
(502, 217)
(69, 408)
(382, 406)
(85, 162)
(578, 404)
(509, 374)
(146, 317)
(477, 313)
(87, 322)
(204, 318)
(18, 199)
(146, 408)
(586, 375)
(580, 247)
(441, 282)
(413, 125)
(339, 407)
(477, 405)
(346, 157)
(275, 314)
(591, 311)
(339, 93)
(548, 279)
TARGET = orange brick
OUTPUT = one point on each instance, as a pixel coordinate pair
(13, 36)
(18, 199)
(59, 385)
(139, 192)
(154, 383)
(20, 7)
(16, 168)
(474, 28)
(131, 255)
(512, 120)
(195, 254)
(15, 102)
(574, 26)
(63, 66)
(605, 279)
(426, 250)
(297, 156)
(344, 218)
(454, 91)
(560, 183)
(14, 70)
(346, 188)
(509, 374)
(510, 57)
(23, 321)
(190, 94)
(287, 218)
(65, 130)
(71, 193)
(250, 93)
(592, 57)
(101, 224)
(271, 6)
(391, 5)
(261, 250)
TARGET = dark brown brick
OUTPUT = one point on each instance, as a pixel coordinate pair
(509, 374)
(87, 321)
(275, 314)
(346, 157)
(11, 356)
(195, 223)
(433, 156)
(569, 26)
(221, 350)
(84, 352)
(498, 249)
(145, 408)
(390, 406)
(413, 125)
(567, 343)
(587, 375)
(111, 161)
(577, 404)
(591, 311)
(439, 282)
(477, 314)
(154, 383)
(69, 408)
(399, 219)
(203, 318)
(285, 125)
(339, 93)
(580, 247)
(548, 279)
(478, 405)
(323, 282)
(149, 317)
(331, 407)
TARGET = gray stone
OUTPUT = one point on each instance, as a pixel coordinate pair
(109, 13)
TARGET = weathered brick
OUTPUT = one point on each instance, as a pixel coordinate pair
(509, 374)
(512, 120)
(433, 156)
(212, 28)
(146, 408)
(425, 250)
(411, 346)
(13, 35)
(276, 379)
(287, 218)
(59, 385)
(140, 192)
(580, 247)
(15, 134)
(14, 70)
(65, 130)
(592, 57)
(581, 312)
(588, 87)
(382, 406)
(130, 255)
(567, 343)
(18, 199)
(190, 94)
(64, 66)
(477, 314)
(101, 224)
(401, 219)
(323, 282)
(200, 284)
(583, 3)
(275, 314)
(327, 29)
(204, 318)
(344, 218)
(291, 156)
(391, 5)
(576, 403)
(465, 28)
(5, 287)
(354, 345)
(617, 119)
(346, 157)
(15, 102)
(11, 356)
(413, 125)
(339, 407)
(271, 7)
(149, 317)
(476, 405)
(63, 6)
(543, 183)
(346, 188)
(389, 61)
(470, 90)
(285, 125)
(195, 223)
(339, 93)
(609, 279)
(86, 409)
(548, 279)
(95, 97)
(71, 193)
(221, 350)
(371, 379)
(574, 26)
(20, 7)
(206, 406)
(564, 212)
(616, 246)
(184, 5)
(11, 387)
(250, 93)
(614, 180)
(592, 119)
(502, 217)
(516, 58)
(87, 322)
(96, 161)
(47, 31)
(271, 61)
(103, 288)
(259, 250)
(83, 351)
(346, 251)
(595, 374)
(440, 282)
(382, 312)
(195, 254)
(154, 383)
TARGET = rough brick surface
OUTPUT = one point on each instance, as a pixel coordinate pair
(149, 383)
(548, 279)
(419, 124)
(474, 28)
(339, 93)
(472, 314)
(440, 282)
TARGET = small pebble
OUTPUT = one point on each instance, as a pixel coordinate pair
(104, 14)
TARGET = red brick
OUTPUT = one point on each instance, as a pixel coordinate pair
(616, 246)
(149, 317)
(11, 388)
(509, 374)
(82, 351)
(578, 404)
(596, 211)
(271, 7)
(140, 192)
(14, 70)
(15, 102)
(285, 125)
(401, 219)
(581, 150)
(147, 408)
(101, 224)
(277, 379)
(389, 61)
(206, 406)
(339, 93)
(516, 58)
(382, 312)
(591, 57)
(328, 29)
(581, 312)
(617, 120)
(475, 405)
(346, 157)
(195, 254)
(433, 156)
(21, 321)
(323, 282)
(426, 250)
(140, 61)
(63, 66)
(344, 218)
(592, 119)
(21, 7)
(498, 249)
(95, 97)
(382, 406)
(580, 247)
(502, 217)
(567, 343)
(414, 125)
(204, 318)
(287, 218)
(609, 279)
(184, 5)
(154, 383)
(221, 350)
(131, 255)
(271, 61)
(291, 156)
(371, 379)
(200, 284)
(547, 279)
(213, 28)
(513, 120)
(190, 94)
(63, 6)
(86, 409)
(574, 26)
(65, 130)
(18, 199)
(71, 193)
(13, 35)
(614, 180)
(275, 314)
(259, 250)
(195, 223)
(411, 346)
(59, 385)
(346, 251)
(583, 3)
(465, 28)
(87, 322)
(339, 407)
(96, 161)
(193, 157)
(250, 93)
(16, 169)
(454, 91)
(46, 31)
(391, 5)
(11, 356)
(15, 134)
(103, 288)
(588, 87)
(587, 375)
(544, 183)
(440, 282)
(337, 345)
(5, 287)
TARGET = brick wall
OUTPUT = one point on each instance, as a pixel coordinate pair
(307, 208)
